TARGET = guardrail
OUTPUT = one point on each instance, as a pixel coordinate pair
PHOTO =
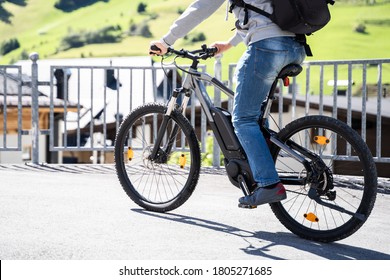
(9, 74)
(95, 99)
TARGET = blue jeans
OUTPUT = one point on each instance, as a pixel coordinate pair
(256, 71)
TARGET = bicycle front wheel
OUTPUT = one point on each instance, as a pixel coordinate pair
(167, 181)
(342, 198)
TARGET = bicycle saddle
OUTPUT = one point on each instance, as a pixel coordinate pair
(290, 70)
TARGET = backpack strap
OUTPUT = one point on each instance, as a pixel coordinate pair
(242, 4)
(301, 38)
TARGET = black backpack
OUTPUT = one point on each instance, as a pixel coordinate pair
(302, 17)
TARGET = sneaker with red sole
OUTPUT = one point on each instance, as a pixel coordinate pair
(263, 195)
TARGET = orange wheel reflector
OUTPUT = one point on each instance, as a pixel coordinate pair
(130, 153)
(321, 140)
(182, 160)
(311, 217)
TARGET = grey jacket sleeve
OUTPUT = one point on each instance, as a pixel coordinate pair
(197, 12)
(235, 40)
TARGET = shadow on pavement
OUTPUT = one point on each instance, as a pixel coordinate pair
(331, 251)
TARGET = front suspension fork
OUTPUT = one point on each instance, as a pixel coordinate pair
(172, 104)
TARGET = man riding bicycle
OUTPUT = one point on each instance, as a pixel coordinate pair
(269, 49)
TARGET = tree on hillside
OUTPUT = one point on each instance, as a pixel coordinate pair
(141, 8)
(17, 2)
(71, 5)
(8, 46)
(107, 34)
(5, 16)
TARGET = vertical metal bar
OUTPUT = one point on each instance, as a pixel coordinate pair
(203, 128)
(321, 105)
(218, 76)
(349, 95)
(34, 108)
(174, 77)
(193, 111)
(193, 107)
(144, 86)
(334, 111)
(294, 98)
(349, 102)
(335, 82)
(230, 76)
(379, 114)
(5, 108)
(308, 70)
(307, 105)
(78, 108)
(117, 101)
(154, 79)
(280, 103)
(130, 136)
(217, 102)
(203, 131)
(165, 87)
(174, 80)
(66, 97)
(52, 130)
(131, 89)
(364, 103)
(91, 124)
(231, 84)
(20, 109)
(104, 115)
(294, 103)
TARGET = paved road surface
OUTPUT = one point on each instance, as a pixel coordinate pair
(66, 212)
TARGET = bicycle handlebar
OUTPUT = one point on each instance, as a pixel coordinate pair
(203, 53)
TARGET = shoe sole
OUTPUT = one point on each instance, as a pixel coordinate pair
(247, 206)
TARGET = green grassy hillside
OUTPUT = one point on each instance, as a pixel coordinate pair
(39, 27)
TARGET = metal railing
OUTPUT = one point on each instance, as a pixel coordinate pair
(97, 97)
(380, 90)
(11, 75)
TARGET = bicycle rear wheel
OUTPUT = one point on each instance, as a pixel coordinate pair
(166, 182)
(342, 199)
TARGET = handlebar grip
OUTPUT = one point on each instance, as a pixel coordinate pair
(154, 48)
(214, 50)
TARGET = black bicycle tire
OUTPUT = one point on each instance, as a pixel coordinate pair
(370, 180)
(188, 131)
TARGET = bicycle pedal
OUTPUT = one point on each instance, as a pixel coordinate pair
(246, 206)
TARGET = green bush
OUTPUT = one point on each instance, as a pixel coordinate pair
(71, 5)
(73, 40)
(141, 29)
(360, 28)
(141, 8)
(108, 34)
(24, 55)
(9, 45)
(180, 11)
(195, 37)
